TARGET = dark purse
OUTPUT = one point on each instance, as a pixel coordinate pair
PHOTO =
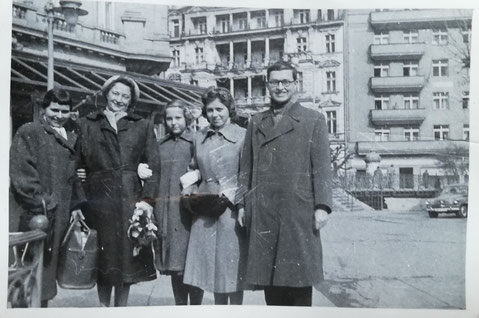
(77, 263)
(202, 204)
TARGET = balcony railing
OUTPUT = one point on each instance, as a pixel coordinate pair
(428, 18)
(19, 12)
(395, 84)
(397, 51)
(61, 25)
(398, 116)
(418, 147)
(109, 37)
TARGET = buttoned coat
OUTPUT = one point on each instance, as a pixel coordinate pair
(43, 166)
(113, 187)
(216, 257)
(284, 175)
(174, 222)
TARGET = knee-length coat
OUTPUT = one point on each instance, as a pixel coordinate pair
(216, 257)
(43, 166)
(174, 223)
(113, 187)
(284, 176)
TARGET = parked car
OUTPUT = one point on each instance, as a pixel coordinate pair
(452, 199)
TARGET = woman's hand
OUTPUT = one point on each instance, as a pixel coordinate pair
(146, 207)
(144, 171)
(241, 219)
(81, 173)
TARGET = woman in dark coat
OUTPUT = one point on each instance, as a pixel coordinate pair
(43, 161)
(114, 143)
(176, 151)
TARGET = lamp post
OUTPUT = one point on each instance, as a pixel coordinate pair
(71, 11)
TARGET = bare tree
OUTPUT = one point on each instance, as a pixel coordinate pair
(455, 160)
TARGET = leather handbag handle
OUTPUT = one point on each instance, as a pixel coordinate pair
(72, 226)
(44, 204)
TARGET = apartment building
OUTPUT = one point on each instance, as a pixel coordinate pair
(232, 48)
(407, 92)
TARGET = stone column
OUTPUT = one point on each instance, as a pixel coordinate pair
(248, 53)
(266, 51)
(249, 90)
(232, 54)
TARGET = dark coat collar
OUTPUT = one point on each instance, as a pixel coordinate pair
(186, 135)
(287, 123)
(99, 115)
(72, 137)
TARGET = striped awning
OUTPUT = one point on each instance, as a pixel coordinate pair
(84, 83)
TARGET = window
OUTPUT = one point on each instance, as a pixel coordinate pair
(411, 102)
(411, 133)
(199, 25)
(440, 100)
(411, 36)
(330, 15)
(465, 100)
(261, 20)
(441, 132)
(199, 54)
(242, 22)
(439, 37)
(381, 38)
(410, 69)
(330, 43)
(465, 132)
(224, 24)
(299, 87)
(381, 134)
(381, 70)
(176, 28)
(302, 16)
(105, 15)
(320, 15)
(331, 119)
(466, 35)
(331, 81)
(440, 68)
(301, 44)
(381, 102)
(176, 58)
(278, 18)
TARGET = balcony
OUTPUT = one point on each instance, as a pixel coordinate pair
(396, 84)
(417, 19)
(398, 116)
(419, 147)
(390, 52)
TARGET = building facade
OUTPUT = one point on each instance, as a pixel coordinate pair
(113, 38)
(232, 48)
(407, 94)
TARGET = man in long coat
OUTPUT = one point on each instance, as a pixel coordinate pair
(284, 196)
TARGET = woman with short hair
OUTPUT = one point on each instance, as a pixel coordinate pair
(43, 161)
(114, 142)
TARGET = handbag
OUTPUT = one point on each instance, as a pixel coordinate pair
(205, 204)
(77, 263)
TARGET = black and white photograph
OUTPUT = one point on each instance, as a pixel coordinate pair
(245, 154)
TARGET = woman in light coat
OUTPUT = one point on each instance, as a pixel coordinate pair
(216, 255)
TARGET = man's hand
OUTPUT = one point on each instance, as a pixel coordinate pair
(320, 219)
(144, 171)
(146, 207)
(241, 217)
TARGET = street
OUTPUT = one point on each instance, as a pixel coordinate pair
(374, 259)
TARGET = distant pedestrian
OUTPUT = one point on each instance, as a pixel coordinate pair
(437, 184)
(378, 178)
(391, 176)
(425, 179)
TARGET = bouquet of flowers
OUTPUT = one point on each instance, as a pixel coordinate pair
(142, 230)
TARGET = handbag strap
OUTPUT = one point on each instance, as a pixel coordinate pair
(44, 205)
(72, 226)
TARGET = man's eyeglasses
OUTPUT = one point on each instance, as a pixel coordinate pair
(285, 83)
